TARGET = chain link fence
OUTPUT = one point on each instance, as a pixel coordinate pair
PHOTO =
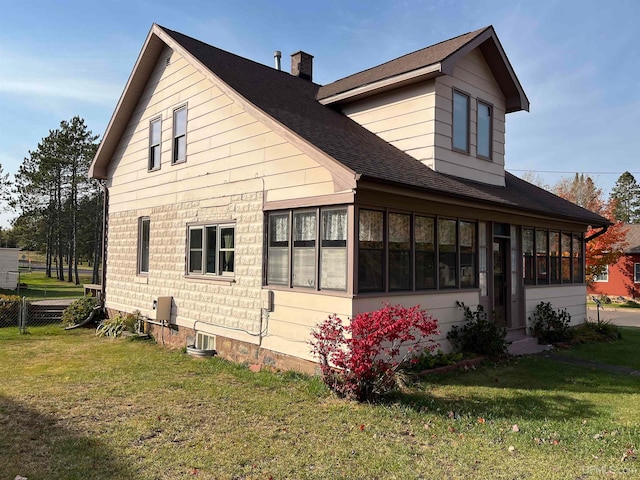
(22, 313)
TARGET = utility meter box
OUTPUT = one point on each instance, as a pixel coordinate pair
(162, 307)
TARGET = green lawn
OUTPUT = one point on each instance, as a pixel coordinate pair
(74, 406)
(40, 287)
(624, 352)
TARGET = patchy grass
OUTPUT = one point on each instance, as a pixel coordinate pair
(76, 406)
(624, 352)
(39, 287)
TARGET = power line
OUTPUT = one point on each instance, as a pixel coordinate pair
(570, 171)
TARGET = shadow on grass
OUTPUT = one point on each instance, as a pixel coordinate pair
(531, 388)
(37, 446)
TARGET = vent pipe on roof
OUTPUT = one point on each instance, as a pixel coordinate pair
(302, 65)
(277, 55)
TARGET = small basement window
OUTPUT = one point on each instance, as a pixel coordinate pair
(205, 342)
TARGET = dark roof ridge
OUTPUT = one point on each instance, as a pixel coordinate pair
(239, 57)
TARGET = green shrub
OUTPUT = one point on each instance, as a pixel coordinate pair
(631, 304)
(478, 335)
(9, 307)
(113, 327)
(604, 299)
(549, 325)
(590, 332)
(427, 360)
(79, 310)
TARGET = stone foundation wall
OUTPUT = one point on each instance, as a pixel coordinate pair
(176, 337)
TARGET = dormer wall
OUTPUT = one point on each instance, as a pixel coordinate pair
(418, 119)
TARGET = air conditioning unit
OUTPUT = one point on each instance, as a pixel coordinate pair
(162, 306)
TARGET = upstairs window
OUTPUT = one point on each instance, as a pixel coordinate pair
(485, 128)
(155, 133)
(180, 134)
(460, 121)
(144, 224)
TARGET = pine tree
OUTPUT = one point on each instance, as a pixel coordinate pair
(5, 188)
(626, 194)
(50, 187)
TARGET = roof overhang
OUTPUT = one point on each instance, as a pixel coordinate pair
(495, 56)
(408, 78)
(157, 40)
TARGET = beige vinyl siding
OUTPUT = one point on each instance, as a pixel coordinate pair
(571, 297)
(225, 146)
(295, 315)
(234, 164)
(405, 117)
(472, 76)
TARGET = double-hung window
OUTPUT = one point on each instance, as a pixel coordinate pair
(180, 134)
(144, 225)
(211, 250)
(485, 127)
(155, 138)
(460, 139)
(304, 249)
(333, 249)
(636, 273)
(278, 249)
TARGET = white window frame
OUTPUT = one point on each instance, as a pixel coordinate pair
(176, 136)
(636, 272)
(155, 146)
(143, 245)
(204, 248)
(603, 277)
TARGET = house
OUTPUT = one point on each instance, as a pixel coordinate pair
(246, 204)
(622, 279)
(9, 268)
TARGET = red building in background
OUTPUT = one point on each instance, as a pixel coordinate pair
(622, 278)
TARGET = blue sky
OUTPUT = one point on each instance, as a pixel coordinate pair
(578, 61)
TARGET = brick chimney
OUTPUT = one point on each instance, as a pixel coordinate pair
(302, 65)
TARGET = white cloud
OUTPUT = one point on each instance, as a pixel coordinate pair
(25, 76)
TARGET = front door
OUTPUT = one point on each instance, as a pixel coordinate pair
(500, 280)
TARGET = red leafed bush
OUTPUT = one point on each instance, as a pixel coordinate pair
(359, 360)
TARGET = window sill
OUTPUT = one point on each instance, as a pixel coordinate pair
(210, 279)
(141, 278)
(312, 291)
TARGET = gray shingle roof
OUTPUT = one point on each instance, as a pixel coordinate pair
(633, 239)
(292, 102)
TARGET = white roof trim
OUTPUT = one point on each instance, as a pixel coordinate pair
(384, 84)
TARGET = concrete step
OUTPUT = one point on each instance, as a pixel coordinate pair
(522, 344)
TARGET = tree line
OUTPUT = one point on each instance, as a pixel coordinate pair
(59, 208)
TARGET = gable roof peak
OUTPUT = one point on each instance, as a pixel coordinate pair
(429, 62)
